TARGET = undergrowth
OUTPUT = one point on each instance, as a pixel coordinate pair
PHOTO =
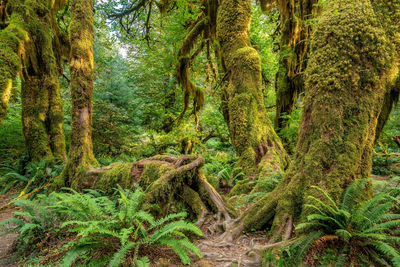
(90, 229)
(351, 233)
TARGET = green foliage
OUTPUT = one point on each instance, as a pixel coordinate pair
(33, 176)
(12, 145)
(105, 230)
(382, 163)
(392, 129)
(36, 220)
(289, 134)
(365, 232)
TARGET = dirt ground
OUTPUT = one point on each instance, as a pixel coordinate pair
(6, 241)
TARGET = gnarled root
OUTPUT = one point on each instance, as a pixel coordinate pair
(167, 181)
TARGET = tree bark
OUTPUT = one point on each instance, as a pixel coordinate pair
(344, 96)
(80, 157)
(253, 137)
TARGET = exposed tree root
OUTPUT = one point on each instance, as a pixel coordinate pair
(170, 184)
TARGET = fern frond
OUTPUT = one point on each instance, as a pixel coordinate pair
(170, 217)
(388, 251)
(330, 200)
(177, 248)
(119, 257)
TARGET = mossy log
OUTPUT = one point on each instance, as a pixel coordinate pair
(253, 137)
(344, 97)
(171, 184)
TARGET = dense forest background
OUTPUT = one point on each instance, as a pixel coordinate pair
(163, 78)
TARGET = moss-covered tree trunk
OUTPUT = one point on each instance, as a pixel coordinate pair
(389, 15)
(295, 17)
(80, 156)
(42, 114)
(13, 37)
(253, 137)
(344, 96)
(28, 42)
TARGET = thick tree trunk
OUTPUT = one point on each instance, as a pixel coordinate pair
(80, 157)
(389, 15)
(12, 41)
(294, 48)
(253, 137)
(344, 96)
(42, 114)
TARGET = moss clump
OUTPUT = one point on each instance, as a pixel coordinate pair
(118, 174)
(151, 172)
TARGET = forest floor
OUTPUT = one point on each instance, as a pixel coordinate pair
(6, 241)
(235, 254)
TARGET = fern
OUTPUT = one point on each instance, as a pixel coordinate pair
(99, 223)
(367, 226)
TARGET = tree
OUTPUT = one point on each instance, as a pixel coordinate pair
(80, 156)
(33, 47)
(252, 134)
(343, 100)
(389, 15)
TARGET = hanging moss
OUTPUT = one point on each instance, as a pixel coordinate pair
(252, 135)
(296, 30)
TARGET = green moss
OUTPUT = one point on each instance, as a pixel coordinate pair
(193, 200)
(81, 156)
(118, 174)
(151, 173)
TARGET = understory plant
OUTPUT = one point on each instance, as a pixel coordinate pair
(34, 176)
(96, 230)
(351, 233)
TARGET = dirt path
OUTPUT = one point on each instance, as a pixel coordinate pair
(6, 241)
(231, 254)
